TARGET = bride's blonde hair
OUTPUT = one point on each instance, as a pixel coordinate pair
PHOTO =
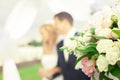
(50, 31)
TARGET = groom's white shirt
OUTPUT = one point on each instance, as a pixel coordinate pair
(67, 41)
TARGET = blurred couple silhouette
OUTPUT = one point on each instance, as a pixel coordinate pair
(57, 64)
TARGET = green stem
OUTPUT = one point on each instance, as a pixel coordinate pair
(93, 77)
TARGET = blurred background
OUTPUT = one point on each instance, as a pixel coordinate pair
(20, 21)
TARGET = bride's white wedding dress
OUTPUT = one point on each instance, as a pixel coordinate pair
(49, 61)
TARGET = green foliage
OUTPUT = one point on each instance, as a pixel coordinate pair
(88, 48)
(73, 38)
(64, 48)
(99, 37)
(117, 32)
(118, 63)
(96, 38)
(113, 69)
(116, 71)
(114, 19)
(92, 30)
(92, 45)
(102, 76)
(93, 77)
(80, 34)
(110, 68)
(95, 56)
(35, 43)
(88, 51)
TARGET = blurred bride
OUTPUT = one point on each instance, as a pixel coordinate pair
(49, 57)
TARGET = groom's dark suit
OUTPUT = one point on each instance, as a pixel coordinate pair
(68, 68)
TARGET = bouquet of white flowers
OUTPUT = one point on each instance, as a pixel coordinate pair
(98, 48)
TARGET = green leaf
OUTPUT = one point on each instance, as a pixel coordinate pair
(90, 49)
(92, 45)
(35, 43)
(87, 50)
(100, 37)
(118, 63)
(114, 19)
(72, 38)
(97, 37)
(80, 34)
(117, 32)
(110, 68)
(91, 55)
(79, 59)
(81, 48)
(95, 56)
(102, 76)
(116, 72)
(64, 48)
(92, 30)
(93, 77)
(107, 78)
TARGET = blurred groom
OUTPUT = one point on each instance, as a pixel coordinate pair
(66, 62)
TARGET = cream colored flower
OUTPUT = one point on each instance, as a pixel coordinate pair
(116, 10)
(96, 19)
(87, 36)
(102, 19)
(104, 45)
(102, 63)
(113, 55)
(106, 32)
(117, 44)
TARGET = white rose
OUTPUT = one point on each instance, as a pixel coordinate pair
(104, 45)
(102, 19)
(96, 19)
(116, 10)
(102, 63)
(113, 55)
(106, 32)
(107, 13)
(117, 44)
